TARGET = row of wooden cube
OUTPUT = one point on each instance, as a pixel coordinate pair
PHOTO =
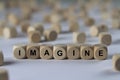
(60, 51)
(34, 33)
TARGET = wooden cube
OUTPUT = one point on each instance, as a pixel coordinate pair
(89, 21)
(19, 51)
(86, 52)
(33, 51)
(100, 51)
(116, 62)
(39, 27)
(79, 37)
(34, 36)
(60, 52)
(46, 51)
(36, 27)
(9, 32)
(24, 26)
(50, 35)
(96, 30)
(4, 74)
(30, 29)
(73, 51)
(1, 58)
(13, 19)
(55, 18)
(57, 27)
(105, 38)
(74, 26)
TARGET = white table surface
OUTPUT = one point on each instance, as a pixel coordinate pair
(61, 69)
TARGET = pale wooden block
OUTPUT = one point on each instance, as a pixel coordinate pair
(4, 74)
(73, 51)
(116, 62)
(24, 26)
(74, 26)
(34, 36)
(33, 51)
(55, 18)
(100, 51)
(30, 29)
(96, 30)
(89, 21)
(86, 52)
(39, 27)
(60, 52)
(19, 51)
(13, 19)
(46, 51)
(105, 38)
(57, 27)
(9, 32)
(79, 37)
(50, 35)
(1, 58)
